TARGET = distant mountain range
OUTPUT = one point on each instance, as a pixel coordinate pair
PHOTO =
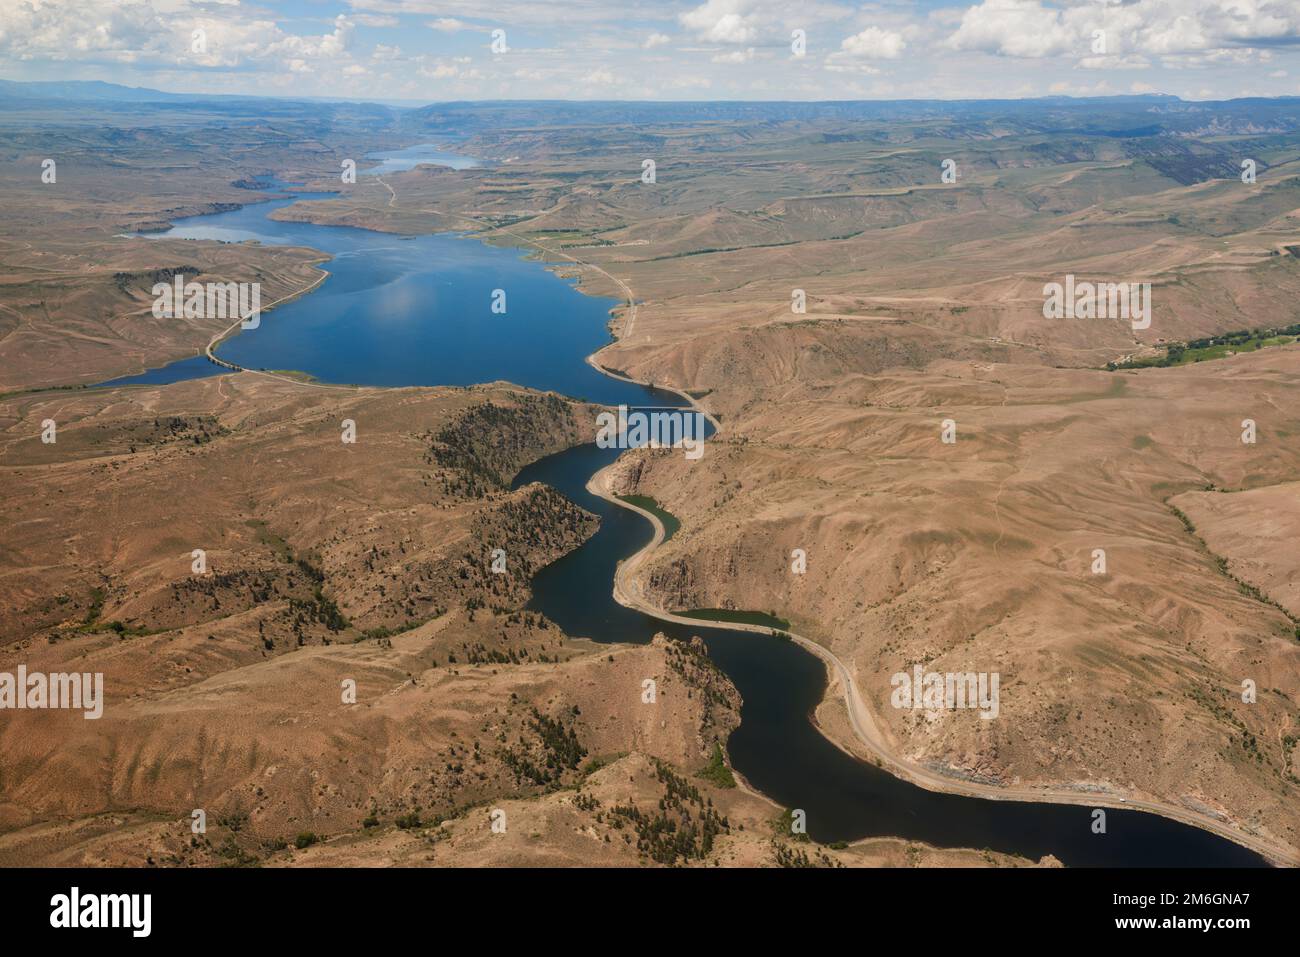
(1118, 116)
(82, 90)
(99, 91)
(1112, 116)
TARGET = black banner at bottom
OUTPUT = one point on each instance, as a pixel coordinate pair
(334, 907)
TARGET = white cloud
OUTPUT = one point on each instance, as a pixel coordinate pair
(113, 31)
(874, 43)
(327, 46)
(729, 28)
(729, 21)
(1135, 29)
(741, 21)
(656, 40)
(1020, 28)
(448, 25)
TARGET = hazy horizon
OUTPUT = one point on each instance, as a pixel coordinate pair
(418, 103)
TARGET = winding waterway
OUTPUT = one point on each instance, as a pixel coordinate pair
(402, 311)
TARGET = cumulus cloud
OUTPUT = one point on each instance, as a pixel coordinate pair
(746, 21)
(722, 21)
(1134, 30)
(656, 40)
(95, 30)
(138, 32)
(327, 46)
(1020, 28)
(873, 43)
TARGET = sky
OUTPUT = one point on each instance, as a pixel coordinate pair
(438, 50)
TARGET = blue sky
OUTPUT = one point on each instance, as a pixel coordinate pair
(431, 50)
